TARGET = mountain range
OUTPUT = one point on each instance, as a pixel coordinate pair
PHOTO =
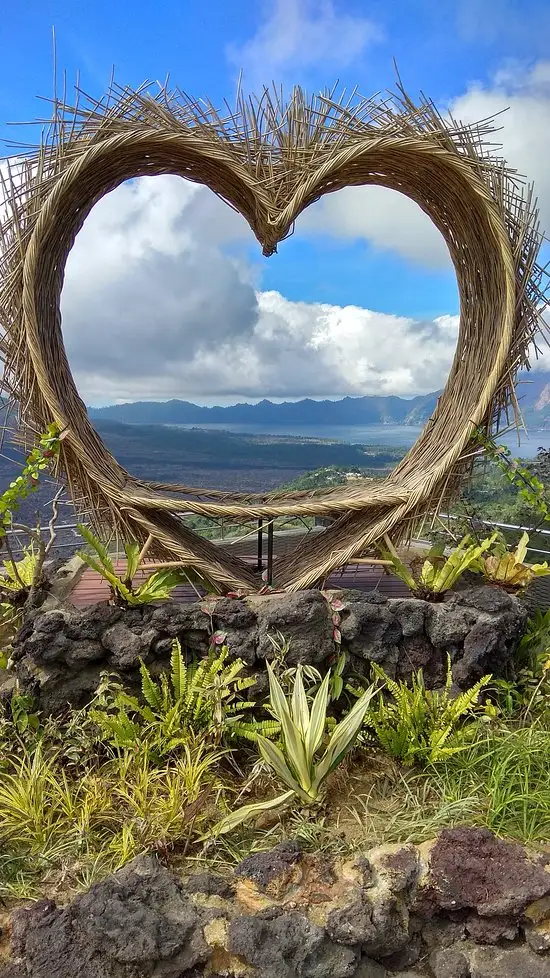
(533, 391)
(346, 411)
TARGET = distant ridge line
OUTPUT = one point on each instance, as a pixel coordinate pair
(374, 409)
(533, 390)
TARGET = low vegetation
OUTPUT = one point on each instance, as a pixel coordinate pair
(430, 576)
(198, 764)
(418, 725)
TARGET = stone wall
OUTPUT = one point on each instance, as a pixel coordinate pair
(60, 653)
(465, 906)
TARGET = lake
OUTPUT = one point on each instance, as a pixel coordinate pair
(395, 436)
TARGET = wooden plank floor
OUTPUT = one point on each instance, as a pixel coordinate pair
(91, 588)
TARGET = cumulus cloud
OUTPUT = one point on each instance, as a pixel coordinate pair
(159, 300)
(387, 219)
(153, 308)
(295, 35)
(391, 221)
(144, 285)
(525, 134)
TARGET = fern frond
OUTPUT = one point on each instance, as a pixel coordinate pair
(178, 671)
(149, 688)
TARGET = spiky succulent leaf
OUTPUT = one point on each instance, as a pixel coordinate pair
(234, 819)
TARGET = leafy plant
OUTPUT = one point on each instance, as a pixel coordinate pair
(530, 488)
(505, 768)
(15, 584)
(311, 676)
(20, 573)
(202, 699)
(431, 576)
(158, 586)
(303, 731)
(28, 480)
(528, 695)
(419, 724)
(20, 724)
(508, 570)
(83, 826)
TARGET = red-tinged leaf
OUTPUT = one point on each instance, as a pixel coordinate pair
(337, 605)
(219, 638)
(337, 636)
(264, 575)
(336, 619)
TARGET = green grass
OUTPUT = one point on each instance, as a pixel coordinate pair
(506, 769)
(58, 830)
(76, 805)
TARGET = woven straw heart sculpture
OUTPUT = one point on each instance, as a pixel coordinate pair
(270, 160)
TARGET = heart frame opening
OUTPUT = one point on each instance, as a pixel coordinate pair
(269, 160)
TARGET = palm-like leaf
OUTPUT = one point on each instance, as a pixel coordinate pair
(132, 551)
(343, 737)
(245, 813)
(96, 544)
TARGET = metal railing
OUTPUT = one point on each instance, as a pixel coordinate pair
(504, 526)
(267, 528)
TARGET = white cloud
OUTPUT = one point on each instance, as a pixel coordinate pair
(153, 308)
(393, 222)
(387, 219)
(525, 134)
(299, 34)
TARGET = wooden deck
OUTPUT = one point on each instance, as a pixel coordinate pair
(91, 588)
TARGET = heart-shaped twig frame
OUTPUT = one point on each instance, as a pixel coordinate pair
(270, 160)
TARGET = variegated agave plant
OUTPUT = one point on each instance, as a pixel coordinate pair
(296, 763)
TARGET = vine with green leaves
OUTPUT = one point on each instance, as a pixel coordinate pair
(528, 485)
(28, 481)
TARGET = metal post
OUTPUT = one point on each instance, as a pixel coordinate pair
(270, 552)
(260, 564)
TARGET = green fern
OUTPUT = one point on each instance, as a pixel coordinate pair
(421, 725)
(204, 698)
(178, 672)
(150, 690)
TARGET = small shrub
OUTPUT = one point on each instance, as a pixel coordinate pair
(311, 676)
(418, 724)
(78, 828)
(201, 699)
(507, 569)
(431, 576)
(29, 479)
(20, 724)
(158, 586)
(528, 696)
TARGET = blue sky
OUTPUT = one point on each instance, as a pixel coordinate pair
(477, 57)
